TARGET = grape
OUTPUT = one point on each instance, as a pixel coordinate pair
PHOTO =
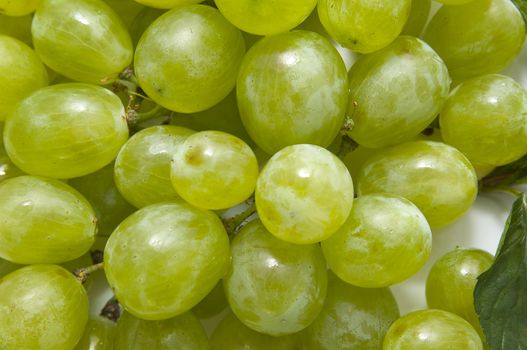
(234, 335)
(167, 4)
(181, 332)
(17, 27)
(352, 318)
(7, 168)
(454, 2)
(431, 330)
(163, 259)
(142, 21)
(450, 284)
(385, 240)
(384, 116)
(126, 10)
(21, 73)
(214, 303)
(7, 267)
(363, 25)
(98, 335)
(304, 194)
(436, 177)
(100, 190)
(266, 17)
(67, 130)
(43, 307)
(214, 170)
(486, 119)
(187, 60)
(142, 168)
(43, 221)
(418, 17)
(18, 7)
(83, 40)
(292, 88)
(274, 287)
(477, 38)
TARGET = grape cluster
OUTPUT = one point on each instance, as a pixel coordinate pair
(223, 160)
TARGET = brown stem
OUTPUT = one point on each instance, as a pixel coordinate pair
(83, 273)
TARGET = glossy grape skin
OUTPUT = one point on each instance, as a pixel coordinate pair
(451, 282)
(181, 332)
(304, 194)
(486, 119)
(292, 88)
(384, 241)
(142, 168)
(436, 177)
(188, 59)
(431, 330)
(43, 221)
(98, 335)
(352, 318)
(477, 38)
(163, 259)
(100, 190)
(21, 73)
(266, 17)
(43, 307)
(363, 25)
(384, 116)
(83, 40)
(232, 334)
(418, 17)
(67, 130)
(17, 27)
(214, 303)
(274, 287)
(214, 170)
(18, 7)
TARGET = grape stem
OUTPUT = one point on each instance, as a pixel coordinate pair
(347, 145)
(111, 310)
(83, 273)
(234, 223)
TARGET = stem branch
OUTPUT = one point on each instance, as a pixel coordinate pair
(83, 273)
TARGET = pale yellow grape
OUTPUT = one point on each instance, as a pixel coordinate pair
(266, 17)
(84, 40)
(418, 17)
(21, 73)
(304, 194)
(436, 177)
(364, 25)
(43, 221)
(18, 7)
(142, 167)
(274, 287)
(42, 307)
(384, 241)
(167, 4)
(214, 170)
(17, 27)
(187, 60)
(486, 119)
(67, 130)
(384, 115)
(480, 37)
(163, 259)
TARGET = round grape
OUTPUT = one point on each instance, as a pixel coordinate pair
(18, 7)
(98, 335)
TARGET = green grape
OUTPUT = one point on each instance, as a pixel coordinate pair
(17, 27)
(18, 7)
(486, 118)
(384, 116)
(83, 40)
(482, 170)
(98, 335)
(214, 303)
(363, 25)
(214, 170)
(477, 38)
(431, 330)
(43, 221)
(167, 4)
(7, 267)
(454, 2)
(292, 88)
(187, 60)
(352, 318)
(436, 177)
(266, 17)
(304, 194)
(142, 168)
(418, 17)
(21, 73)
(43, 307)
(274, 287)
(451, 281)
(100, 190)
(181, 332)
(127, 10)
(234, 335)
(384, 241)
(7, 168)
(142, 21)
(165, 258)
(67, 130)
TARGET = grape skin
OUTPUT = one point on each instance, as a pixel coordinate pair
(18, 28)
(418, 16)
(167, 4)
(98, 335)
(18, 7)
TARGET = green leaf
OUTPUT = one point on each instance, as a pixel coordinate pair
(500, 296)
(522, 6)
